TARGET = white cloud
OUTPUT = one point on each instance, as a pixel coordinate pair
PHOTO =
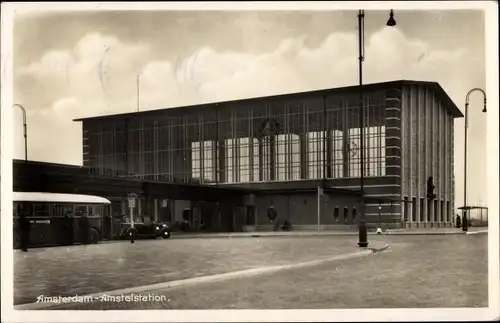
(99, 77)
(52, 64)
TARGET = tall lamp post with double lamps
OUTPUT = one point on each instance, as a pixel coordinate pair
(363, 232)
(465, 209)
(25, 130)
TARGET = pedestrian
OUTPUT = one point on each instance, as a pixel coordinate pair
(68, 229)
(85, 229)
(24, 231)
(458, 223)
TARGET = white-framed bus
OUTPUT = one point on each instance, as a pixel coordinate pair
(55, 218)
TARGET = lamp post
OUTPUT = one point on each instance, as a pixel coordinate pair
(363, 232)
(131, 204)
(464, 210)
(25, 130)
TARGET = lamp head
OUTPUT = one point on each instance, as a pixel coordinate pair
(391, 22)
(484, 109)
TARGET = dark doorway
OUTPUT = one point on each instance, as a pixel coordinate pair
(227, 218)
(414, 210)
(166, 211)
(250, 215)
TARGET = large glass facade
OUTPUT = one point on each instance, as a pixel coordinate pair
(279, 139)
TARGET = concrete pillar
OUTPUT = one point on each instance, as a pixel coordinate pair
(139, 209)
(345, 140)
(155, 215)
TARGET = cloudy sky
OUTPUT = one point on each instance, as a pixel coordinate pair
(70, 65)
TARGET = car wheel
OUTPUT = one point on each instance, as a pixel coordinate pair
(94, 236)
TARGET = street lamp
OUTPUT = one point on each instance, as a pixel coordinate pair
(25, 130)
(464, 210)
(363, 232)
(131, 204)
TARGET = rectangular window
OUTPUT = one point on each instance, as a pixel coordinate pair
(316, 154)
(41, 209)
(337, 154)
(374, 151)
(202, 161)
(287, 157)
(62, 210)
(23, 207)
(80, 210)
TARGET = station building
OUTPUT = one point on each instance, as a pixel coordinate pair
(278, 150)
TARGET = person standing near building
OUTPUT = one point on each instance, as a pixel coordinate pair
(24, 231)
(272, 215)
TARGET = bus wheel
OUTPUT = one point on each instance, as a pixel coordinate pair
(94, 236)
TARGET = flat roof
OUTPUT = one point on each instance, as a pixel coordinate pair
(58, 198)
(441, 93)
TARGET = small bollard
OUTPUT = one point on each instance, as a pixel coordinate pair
(132, 236)
(363, 235)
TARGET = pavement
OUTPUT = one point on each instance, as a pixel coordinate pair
(410, 231)
(88, 269)
(175, 269)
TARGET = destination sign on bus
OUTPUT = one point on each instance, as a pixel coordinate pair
(40, 221)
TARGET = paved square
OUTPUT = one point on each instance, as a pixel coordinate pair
(418, 271)
(79, 270)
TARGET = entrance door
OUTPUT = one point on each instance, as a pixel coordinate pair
(196, 214)
(227, 219)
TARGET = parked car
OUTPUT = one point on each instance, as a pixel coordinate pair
(145, 231)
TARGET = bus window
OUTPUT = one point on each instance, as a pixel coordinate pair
(20, 207)
(80, 210)
(62, 210)
(41, 210)
(96, 210)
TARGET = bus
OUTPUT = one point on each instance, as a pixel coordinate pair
(55, 217)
